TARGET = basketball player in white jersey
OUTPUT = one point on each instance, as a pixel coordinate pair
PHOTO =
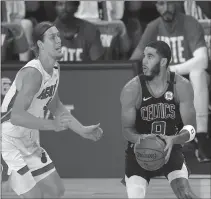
(32, 173)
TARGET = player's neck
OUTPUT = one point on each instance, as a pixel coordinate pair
(47, 63)
(171, 25)
(160, 80)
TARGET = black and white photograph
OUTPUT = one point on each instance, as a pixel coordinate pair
(105, 99)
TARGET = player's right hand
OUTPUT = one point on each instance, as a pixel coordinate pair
(93, 132)
(61, 122)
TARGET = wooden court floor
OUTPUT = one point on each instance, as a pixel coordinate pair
(112, 188)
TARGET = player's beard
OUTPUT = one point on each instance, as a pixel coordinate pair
(168, 16)
(154, 72)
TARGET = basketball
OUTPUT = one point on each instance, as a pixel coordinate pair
(150, 153)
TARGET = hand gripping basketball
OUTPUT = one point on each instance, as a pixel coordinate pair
(150, 153)
(168, 147)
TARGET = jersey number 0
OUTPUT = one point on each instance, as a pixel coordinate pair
(159, 127)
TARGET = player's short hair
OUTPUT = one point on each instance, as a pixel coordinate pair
(162, 48)
(38, 33)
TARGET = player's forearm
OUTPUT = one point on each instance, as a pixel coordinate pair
(131, 135)
(195, 63)
(27, 120)
(74, 125)
(182, 137)
(58, 109)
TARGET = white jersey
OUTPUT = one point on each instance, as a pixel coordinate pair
(45, 94)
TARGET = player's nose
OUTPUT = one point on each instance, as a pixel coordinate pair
(170, 6)
(58, 41)
(144, 61)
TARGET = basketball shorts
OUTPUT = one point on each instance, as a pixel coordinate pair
(25, 171)
(174, 168)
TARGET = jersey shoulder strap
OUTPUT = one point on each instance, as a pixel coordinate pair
(171, 81)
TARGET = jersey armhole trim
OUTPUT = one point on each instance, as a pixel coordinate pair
(23, 69)
(139, 98)
(175, 91)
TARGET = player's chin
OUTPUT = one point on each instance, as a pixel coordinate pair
(146, 73)
(59, 56)
(168, 17)
(148, 77)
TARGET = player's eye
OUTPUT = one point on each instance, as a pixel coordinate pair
(52, 37)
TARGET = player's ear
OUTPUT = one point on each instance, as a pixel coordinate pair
(40, 44)
(163, 62)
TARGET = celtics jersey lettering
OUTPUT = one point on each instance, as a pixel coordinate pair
(158, 115)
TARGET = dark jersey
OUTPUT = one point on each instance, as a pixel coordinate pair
(81, 45)
(158, 115)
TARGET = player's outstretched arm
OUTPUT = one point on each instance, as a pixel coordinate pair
(93, 132)
(28, 84)
(187, 111)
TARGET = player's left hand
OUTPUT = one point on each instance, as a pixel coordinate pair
(168, 147)
(93, 132)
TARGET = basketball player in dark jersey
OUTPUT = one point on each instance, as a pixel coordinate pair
(158, 102)
(80, 39)
(185, 36)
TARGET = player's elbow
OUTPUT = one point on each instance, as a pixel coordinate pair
(203, 60)
(126, 133)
